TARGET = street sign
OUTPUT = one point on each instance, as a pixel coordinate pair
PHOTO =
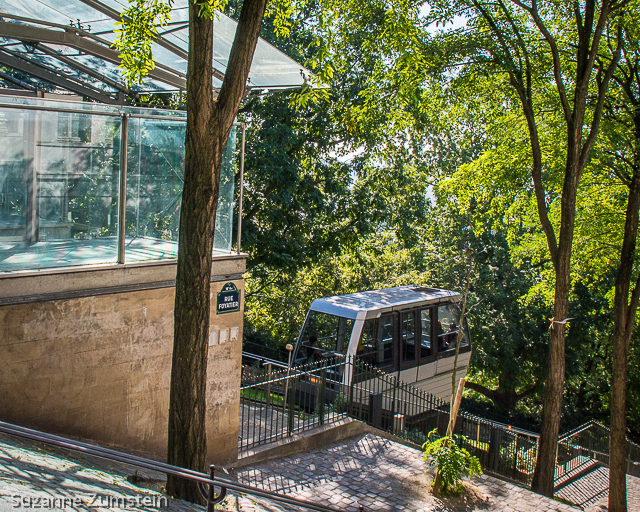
(228, 299)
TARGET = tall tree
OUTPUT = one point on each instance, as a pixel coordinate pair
(508, 32)
(209, 122)
(624, 138)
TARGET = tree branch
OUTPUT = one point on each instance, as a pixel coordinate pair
(528, 392)
(489, 393)
(597, 114)
(244, 44)
(557, 67)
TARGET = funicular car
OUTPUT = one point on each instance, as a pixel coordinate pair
(407, 331)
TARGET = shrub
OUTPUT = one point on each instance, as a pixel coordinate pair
(451, 461)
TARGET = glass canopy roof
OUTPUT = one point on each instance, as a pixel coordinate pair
(68, 43)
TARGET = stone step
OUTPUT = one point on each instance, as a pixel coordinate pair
(580, 466)
(584, 490)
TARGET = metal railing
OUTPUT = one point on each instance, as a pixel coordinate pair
(501, 449)
(384, 401)
(205, 482)
(277, 403)
(590, 442)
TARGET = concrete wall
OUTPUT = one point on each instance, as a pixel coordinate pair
(88, 353)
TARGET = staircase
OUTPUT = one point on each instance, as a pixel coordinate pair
(582, 481)
(582, 467)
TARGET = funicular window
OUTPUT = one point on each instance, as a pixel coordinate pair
(448, 327)
(376, 343)
(324, 336)
(425, 336)
(408, 338)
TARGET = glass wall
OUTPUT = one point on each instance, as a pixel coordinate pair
(224, 215)
(155, 174)
(60, 182)
(59, 175)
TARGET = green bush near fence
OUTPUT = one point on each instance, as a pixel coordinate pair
(451, 461)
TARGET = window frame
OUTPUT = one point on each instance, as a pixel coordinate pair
(401, 365)
(451, 352)
(434, 346)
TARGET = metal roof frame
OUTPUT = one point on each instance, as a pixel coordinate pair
(161, 41)
(80, 40)
(40, 71)
(38, 25)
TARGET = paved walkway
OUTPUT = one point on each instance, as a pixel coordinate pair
(382, 475)
(633, 497)
(367, 471)
(35, 476)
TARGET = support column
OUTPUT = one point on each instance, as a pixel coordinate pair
(33, 122)
(244, 128)
(122, 197)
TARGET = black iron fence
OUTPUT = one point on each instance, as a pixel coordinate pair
(277, 403)
(501, 449)
(590, 443)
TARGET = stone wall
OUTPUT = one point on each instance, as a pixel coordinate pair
(88, 354)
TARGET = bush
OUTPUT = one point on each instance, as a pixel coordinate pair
(451, 461)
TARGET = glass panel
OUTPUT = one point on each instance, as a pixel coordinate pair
(155, 174)
(15, 161)
(224, 216)
(324, 336)
(376, 342)
(425, 341)
(408, 339)
(59, 183)
(155, 178)
(448, 326)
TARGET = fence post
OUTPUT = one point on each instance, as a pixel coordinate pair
(268, 401)
(375, 409)
(292, 405)
(353, 376)
(393, 404)
(321, 395)
(515, 458)
(494, 447)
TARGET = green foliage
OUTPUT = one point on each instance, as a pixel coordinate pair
(140, 23)
(142, 20)
(451, 462)
(417, 149)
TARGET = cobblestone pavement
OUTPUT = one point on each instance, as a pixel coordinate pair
(633, 497)
(382, 475)
(376, 473)
(33, 476)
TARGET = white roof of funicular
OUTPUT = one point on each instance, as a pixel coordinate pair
(372, 304)
(270, 69)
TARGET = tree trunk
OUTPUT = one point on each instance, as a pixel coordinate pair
(208, 126)
(577, 157)
(623, 325)
(554, 382)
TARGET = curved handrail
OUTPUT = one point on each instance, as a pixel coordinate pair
(207, 480)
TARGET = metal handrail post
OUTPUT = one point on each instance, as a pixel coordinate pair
(289, 348)
(122, 205)
(244, 128)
